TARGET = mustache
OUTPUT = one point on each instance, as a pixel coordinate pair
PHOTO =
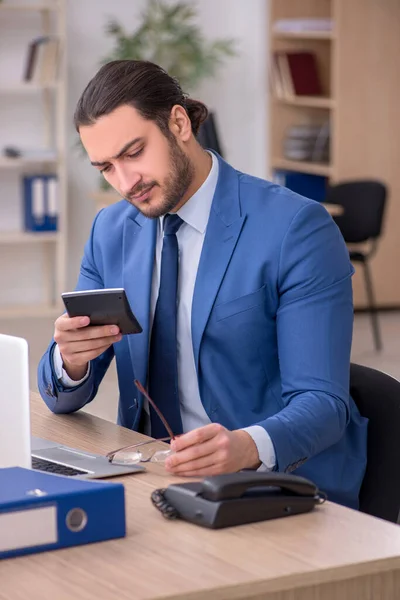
(139, 190)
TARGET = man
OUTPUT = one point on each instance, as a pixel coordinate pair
(246, 344)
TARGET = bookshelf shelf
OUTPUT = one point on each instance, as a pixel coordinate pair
(21, 163)
(307, 101)
(27, 88)
(39, 7)
(304, 35)
(25, 237)
(302, 167)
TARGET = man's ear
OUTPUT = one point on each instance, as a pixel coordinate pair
(179, 123)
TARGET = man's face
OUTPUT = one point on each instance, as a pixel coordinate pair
(148, 169)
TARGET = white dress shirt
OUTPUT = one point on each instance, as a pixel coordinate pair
(194, 213)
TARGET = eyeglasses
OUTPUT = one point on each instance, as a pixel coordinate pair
(143, 451)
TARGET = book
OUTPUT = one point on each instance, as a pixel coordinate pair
(304, 73)
(295, 74)
(42, 60)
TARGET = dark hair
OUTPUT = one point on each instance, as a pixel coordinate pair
(140, 84)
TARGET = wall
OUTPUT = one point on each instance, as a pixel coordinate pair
(238, 95)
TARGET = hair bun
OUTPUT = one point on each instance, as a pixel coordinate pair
(197, 112)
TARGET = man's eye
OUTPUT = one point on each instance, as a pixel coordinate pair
(135, 154)
(107, 168)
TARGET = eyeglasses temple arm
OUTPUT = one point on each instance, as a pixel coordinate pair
(143, 391)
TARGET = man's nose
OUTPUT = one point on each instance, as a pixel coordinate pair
(127, 180)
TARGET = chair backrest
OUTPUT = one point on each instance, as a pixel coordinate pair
(377, 396)
(363, 202)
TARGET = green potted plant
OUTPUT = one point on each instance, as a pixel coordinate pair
(168, 35)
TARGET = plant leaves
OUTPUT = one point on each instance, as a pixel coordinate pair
(169, 36)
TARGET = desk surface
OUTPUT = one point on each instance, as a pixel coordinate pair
(330, 553)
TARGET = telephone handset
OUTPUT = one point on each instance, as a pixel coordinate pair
(238, 498)
(224, 487)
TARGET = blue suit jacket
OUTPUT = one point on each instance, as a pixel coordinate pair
(271, 324)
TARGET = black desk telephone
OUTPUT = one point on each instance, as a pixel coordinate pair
(237, 498)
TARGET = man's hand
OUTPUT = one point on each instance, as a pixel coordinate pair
(212, 450)
(80, 344)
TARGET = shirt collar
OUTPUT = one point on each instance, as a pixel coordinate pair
(196, 211)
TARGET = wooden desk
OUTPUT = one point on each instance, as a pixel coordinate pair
(331, 553)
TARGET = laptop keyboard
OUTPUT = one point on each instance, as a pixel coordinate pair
(51, 467)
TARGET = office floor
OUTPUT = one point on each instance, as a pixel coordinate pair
(38, 332)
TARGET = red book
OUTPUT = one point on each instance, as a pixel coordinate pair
(304, 73)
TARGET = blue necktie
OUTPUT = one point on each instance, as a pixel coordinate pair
(163, 368)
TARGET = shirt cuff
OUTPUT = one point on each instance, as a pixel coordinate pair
(61, 373)
(265, 447)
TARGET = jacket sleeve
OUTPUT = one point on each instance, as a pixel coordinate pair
(58, 398)
(314, 332)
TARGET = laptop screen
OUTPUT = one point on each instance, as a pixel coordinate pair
(15, 437)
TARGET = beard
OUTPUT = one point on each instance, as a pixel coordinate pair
(175, 185)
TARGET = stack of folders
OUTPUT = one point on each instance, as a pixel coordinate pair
(41, 202)
(307, 142)
(42, 511)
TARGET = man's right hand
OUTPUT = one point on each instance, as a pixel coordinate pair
(80, 344)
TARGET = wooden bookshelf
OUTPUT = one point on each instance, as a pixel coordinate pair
(49, 248)
(27, 88)
(25, 237)
(358, 64)
(308, 101)
(302, 167)
(52, 5)
(297, 35)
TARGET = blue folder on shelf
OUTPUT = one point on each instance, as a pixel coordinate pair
(305, 184)
(41, 200)
(42, 511)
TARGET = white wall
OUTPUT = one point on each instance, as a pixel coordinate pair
(238, 94)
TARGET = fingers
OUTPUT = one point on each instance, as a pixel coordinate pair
(193, 457)
(95, 345)
(88, 333)
(79, 344)
(205, 462)
(65, 323)
(197, 436)
(82, 358)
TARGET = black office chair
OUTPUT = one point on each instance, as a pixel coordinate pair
(363, 205)
(377, 397)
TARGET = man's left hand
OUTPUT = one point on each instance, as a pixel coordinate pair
(212, 450)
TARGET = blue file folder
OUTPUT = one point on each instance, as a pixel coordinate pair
(40, 194)
(310, 186)
(41, 511)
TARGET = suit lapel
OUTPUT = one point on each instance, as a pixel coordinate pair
(223, 229)
(138, 260)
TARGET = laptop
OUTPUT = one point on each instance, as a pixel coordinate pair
(17, 447)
